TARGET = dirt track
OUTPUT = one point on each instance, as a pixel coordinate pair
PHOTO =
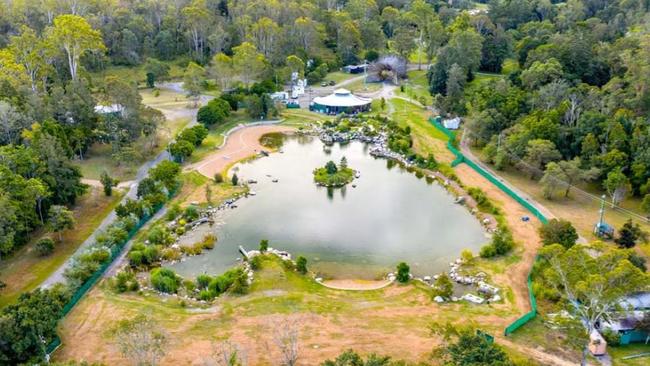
(524, 233)
(239, 145)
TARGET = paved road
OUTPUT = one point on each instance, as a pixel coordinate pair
(142, 172)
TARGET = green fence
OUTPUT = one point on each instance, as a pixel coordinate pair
(90, 282)
(460, 158)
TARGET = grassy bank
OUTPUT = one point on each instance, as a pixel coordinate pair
(25, 269)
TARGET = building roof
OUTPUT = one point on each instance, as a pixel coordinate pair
(342, 98)
(106, 109)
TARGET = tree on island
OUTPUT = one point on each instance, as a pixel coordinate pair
(332, 175)
(403, 272)
(234, 180)
(264, 245)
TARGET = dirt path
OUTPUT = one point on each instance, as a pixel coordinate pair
(239, 145)
(524, 233)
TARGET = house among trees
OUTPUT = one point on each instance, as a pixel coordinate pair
(628, 324)
(341, 101)
(355, 69)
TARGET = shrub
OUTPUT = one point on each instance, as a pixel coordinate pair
(443, 286)
(502, 241)
(558, 232)
(191, 213)
(170, 254)
(218, 178)
(45, 247)
(159, 235)
(189, 285)
(206, 295)
(220, 284)
(151, 255)
(125, 281)
(467, 256)
(488, 251)
(136, 259)
(403, 272)
(173, 212)
(202, 281)
(256, 262)
(240, 282)
(208, 241)
(165, 280)
(301, 264)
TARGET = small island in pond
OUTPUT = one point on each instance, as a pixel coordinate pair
(332, 175)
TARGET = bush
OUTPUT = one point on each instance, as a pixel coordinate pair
(208, 241)
(191, 213)
(165, 280)
(202, 281)
(301, 264)
(125, 281)
(151, 255)
(189, 285)
(136, 258)
(403, 272)
(173, 212)
(502, 241)
(218, 178)
(256, 262)
(488, 251)
(44, 247)
(558, 232)
(214, 112)
(240, 282)
(219, 284)
(206, 295)
(443, 287)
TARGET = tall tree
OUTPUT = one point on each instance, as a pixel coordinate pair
(193, 79)
(60, 219)
(593, 280)
(248, 63)
(617, 186)
(75, 36)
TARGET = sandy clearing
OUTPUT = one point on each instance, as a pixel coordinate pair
(355, 285)
(239, 145)
(524, 233)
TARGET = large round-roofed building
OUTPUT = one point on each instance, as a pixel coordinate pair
(341, 101)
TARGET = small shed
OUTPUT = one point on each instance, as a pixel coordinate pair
(452, 123)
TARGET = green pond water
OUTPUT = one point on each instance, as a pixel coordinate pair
(363, 232)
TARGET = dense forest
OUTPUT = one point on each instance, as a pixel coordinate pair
(574, 101)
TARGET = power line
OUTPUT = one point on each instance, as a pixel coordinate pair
(574, 188)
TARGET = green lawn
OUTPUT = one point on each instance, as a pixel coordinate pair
(339, 76)
(618, 353)
(25, 269)
(417, 87)
(426, 138)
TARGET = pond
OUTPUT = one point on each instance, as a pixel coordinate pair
(363, 232)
